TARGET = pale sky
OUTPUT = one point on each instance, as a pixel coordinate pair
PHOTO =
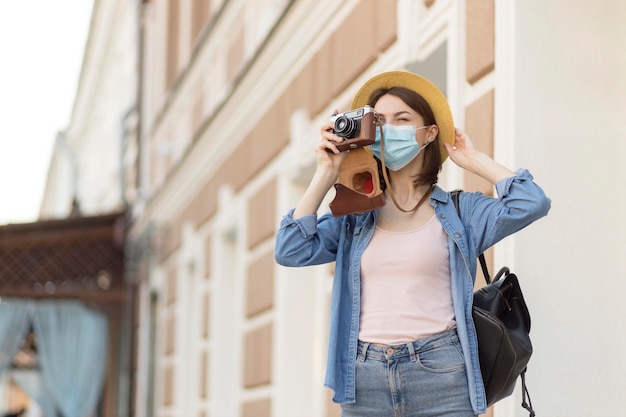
(41, 48)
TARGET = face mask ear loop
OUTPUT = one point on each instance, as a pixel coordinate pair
(385, 176)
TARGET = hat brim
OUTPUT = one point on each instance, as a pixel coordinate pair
(423, 87)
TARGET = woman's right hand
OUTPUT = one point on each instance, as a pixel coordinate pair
(328, 156)
(329, 159)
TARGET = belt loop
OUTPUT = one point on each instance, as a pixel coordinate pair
(412, 352)
(364, 351)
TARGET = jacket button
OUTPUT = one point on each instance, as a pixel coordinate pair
(458, 235)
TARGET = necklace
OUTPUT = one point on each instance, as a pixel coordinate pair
(395, 202)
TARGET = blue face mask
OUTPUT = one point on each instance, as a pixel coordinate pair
(401, 146)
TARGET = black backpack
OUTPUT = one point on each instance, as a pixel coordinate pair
(502, 324)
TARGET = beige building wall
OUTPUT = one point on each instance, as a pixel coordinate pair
(229, 124)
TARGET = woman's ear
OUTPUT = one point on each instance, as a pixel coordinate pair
(432, 132)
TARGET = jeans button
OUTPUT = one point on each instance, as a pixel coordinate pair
(390, 351)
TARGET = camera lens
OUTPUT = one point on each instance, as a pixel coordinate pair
(345, 127)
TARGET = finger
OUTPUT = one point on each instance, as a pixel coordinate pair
(450, 148)
(327, 146)
(331, 137)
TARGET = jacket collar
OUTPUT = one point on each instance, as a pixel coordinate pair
(439, 195)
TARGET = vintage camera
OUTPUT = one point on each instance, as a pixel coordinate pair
(357, 127)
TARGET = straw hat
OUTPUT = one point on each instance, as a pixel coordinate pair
(422, 86)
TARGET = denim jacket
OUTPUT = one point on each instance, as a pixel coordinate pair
(484, 221)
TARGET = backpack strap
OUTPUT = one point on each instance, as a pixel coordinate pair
(525, 394)
(481, 258)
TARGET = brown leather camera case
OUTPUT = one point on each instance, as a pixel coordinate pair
(358, 186)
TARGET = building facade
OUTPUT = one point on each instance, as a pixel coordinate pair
(200, 117)
(93, 160)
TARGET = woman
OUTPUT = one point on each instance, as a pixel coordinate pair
(402, 341)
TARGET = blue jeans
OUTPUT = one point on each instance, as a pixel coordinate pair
(425, 378)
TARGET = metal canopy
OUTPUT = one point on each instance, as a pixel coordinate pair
(80, 258)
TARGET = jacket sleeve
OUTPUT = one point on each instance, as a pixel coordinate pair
(519, 202)
(308, 240)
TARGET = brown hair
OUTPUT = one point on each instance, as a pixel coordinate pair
(432, 153)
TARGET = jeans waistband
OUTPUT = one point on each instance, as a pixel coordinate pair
(410, 349)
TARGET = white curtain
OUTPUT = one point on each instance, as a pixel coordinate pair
(14, 326)
(72, 350)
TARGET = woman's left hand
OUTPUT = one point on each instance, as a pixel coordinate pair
(464, 154)
(463, 150)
